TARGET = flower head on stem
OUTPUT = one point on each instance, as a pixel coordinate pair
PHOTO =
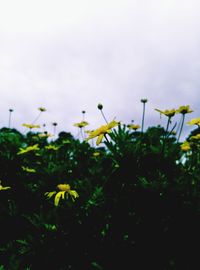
(63, 191)
(102, 131)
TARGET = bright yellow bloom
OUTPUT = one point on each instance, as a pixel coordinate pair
(28, 149)
(134, 127)
(168, 113)
(3, 188)
(52, 147)
(31, 126)
(29, 170)
(194, 121)
(102, 131)
(42, 109)
(64, 190)
(184, 109)
(195, 137)
(96, 154)
(81, 124)
(45, 135)
(88, 131)
(185, 146)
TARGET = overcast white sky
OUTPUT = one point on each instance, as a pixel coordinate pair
(70, 55)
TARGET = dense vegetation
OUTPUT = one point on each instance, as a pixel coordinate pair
(132, 202)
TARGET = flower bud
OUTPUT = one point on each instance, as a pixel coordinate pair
(100, 106)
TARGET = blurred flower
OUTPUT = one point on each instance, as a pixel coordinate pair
(63, 190)
(28, 149)
(52, 147)
(45, 135)
(3, 188)
(42, 109)
(134, 127)
(81, 124)
(195, 137)
(194, 121)
(102, 131)
(100, 106)
(185, 146)
(96, 154)
(144, 100)
(31, 126)
(184, 109)
(88, 131)
(29, 170)
(168, 113)
(66, 142)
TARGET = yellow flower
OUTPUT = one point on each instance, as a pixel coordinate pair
(134, 127)
(3, 188)
(64, 190)
(168, 113)
(42, 109)
(102, 131)
(96, 154)
(52, 147)
(28, 149)
(81, 124)
(195, 137)
(29, 170)
(184, 109)
(88, 131)
(31, 126)
(194, 121)
(185, 146)
(45, 135)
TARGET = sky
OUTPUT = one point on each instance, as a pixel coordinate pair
(68, 56)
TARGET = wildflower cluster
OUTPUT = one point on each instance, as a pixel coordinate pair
(119, 186)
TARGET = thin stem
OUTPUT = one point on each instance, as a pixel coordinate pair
(54, 131)
(183, 118)
(104, 116)
(81, 130)
(106, 138)
(167, 127)
(143, 117)
(36, 119)
(9, 121)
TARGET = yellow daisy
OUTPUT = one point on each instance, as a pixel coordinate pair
(184, 109)
(81, 124)
(3, 188)
(28, 149)
(168, 113)
(63, 190)
(102, 131)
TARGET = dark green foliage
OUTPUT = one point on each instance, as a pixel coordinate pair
(138, 205)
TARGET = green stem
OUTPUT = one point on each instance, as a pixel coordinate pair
(36, 119)
(183, 118)
(104, 116)
(9, 121)
(143, 117)
(167, 127)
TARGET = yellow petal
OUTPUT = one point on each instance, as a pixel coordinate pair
(100, 138)
(73, 193)
(57, 197)
(49, 194)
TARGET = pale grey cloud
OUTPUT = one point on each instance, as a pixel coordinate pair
(70, 55)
